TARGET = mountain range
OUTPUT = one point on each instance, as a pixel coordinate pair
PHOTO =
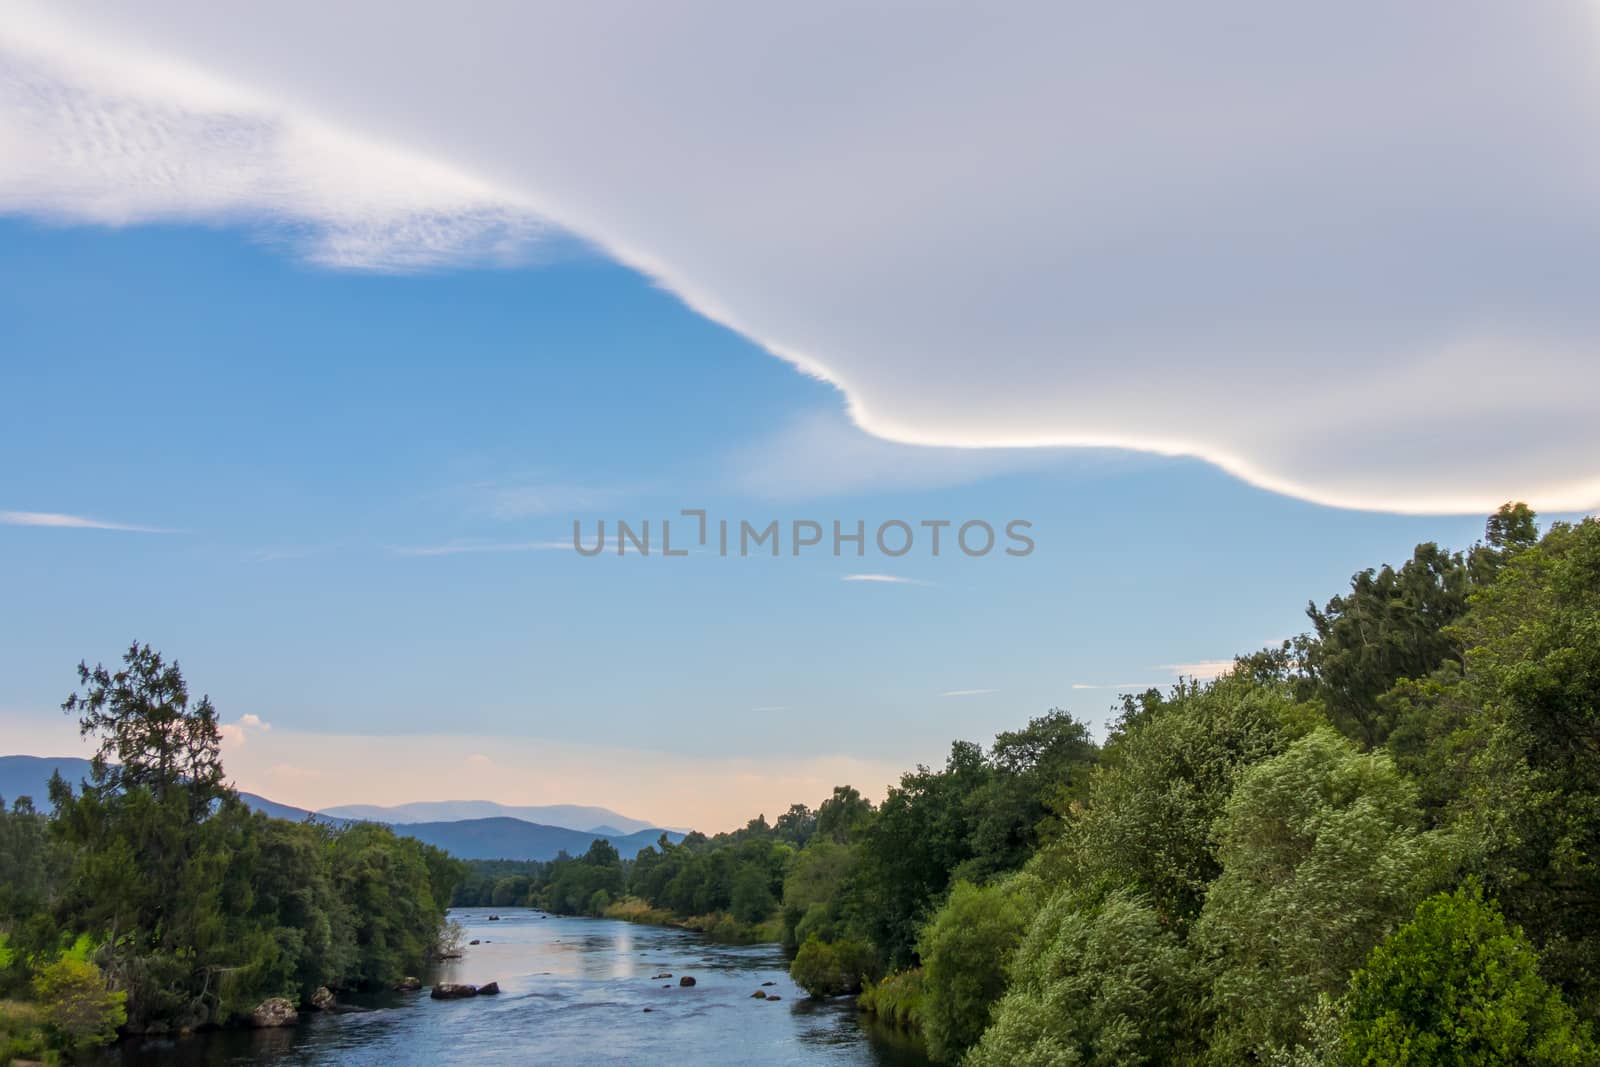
(467, 829)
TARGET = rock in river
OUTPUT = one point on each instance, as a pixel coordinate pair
(322, 999)
(274, 1011)
(489, 989)
(408, 984)
(687, 979)
(451, 991)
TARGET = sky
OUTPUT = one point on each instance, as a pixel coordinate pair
(318, 333)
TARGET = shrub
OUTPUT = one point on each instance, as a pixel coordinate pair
(965, 951)
(1458, 985)
(831, 969)
(899, 999)
(79, 1010)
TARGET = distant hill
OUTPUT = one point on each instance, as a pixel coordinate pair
(507, 833)
(601, 821)
(29, 776)
(505, 838)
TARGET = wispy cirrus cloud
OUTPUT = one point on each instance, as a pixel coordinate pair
(885, 579)
(967, 692)
(457, 548)
(72, 522)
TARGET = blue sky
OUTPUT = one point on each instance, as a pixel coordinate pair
(349, 465)
(316, 335)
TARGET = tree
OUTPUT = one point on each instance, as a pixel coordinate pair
(1396, 624)
(1164, 777)
(832, 969)
(843, 815)
(1458, 987)
(1098, 983)
(149, 735)
(752, 900)
(80, 1011)
(909, 854)
(966, 949)
(1321, 857)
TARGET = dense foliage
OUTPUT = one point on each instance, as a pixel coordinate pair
(153, 899)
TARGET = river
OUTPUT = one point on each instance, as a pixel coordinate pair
(572, 991)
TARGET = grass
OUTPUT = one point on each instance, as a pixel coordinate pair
(718, 925)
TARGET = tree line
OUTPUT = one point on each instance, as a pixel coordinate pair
(1375, 844)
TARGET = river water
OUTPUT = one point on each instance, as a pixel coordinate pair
(572, 991)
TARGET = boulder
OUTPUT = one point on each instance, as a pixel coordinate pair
(760, 994)
(488, 989)
(773, 996)
(452, 991)
(408, 984)
(769, 983)
(687, 979)
(474, 941)
(322, 999)
(274, 1011)
(494, 918)
(663, 974)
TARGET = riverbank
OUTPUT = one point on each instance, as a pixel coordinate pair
(717, 925)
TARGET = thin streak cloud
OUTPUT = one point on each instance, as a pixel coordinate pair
(886, 579)
(465, 548)
(72, 522)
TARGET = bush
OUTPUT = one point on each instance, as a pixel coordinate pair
(898, 999)
(831, 969)
(965, 951)
(1095, 983)
(79, 1010)
(22, 1034)
(1458, 985)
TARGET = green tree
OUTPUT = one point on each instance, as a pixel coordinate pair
(843, 815)
(1459, 987)
(1097, 983)
(752, 900)
(149, 735)
(80, 1011)
(966, 949)
(1164, 777)
(1321, 857)
(831, 969)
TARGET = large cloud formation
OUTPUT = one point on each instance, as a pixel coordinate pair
(1347, 252)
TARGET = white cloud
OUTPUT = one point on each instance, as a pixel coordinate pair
(1123, 687)
(886, 579)
(69, 522)
(821, 453)
(967, 692)
(1202, 670)
(1340, 251)
(461, 547)
(235, 734)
